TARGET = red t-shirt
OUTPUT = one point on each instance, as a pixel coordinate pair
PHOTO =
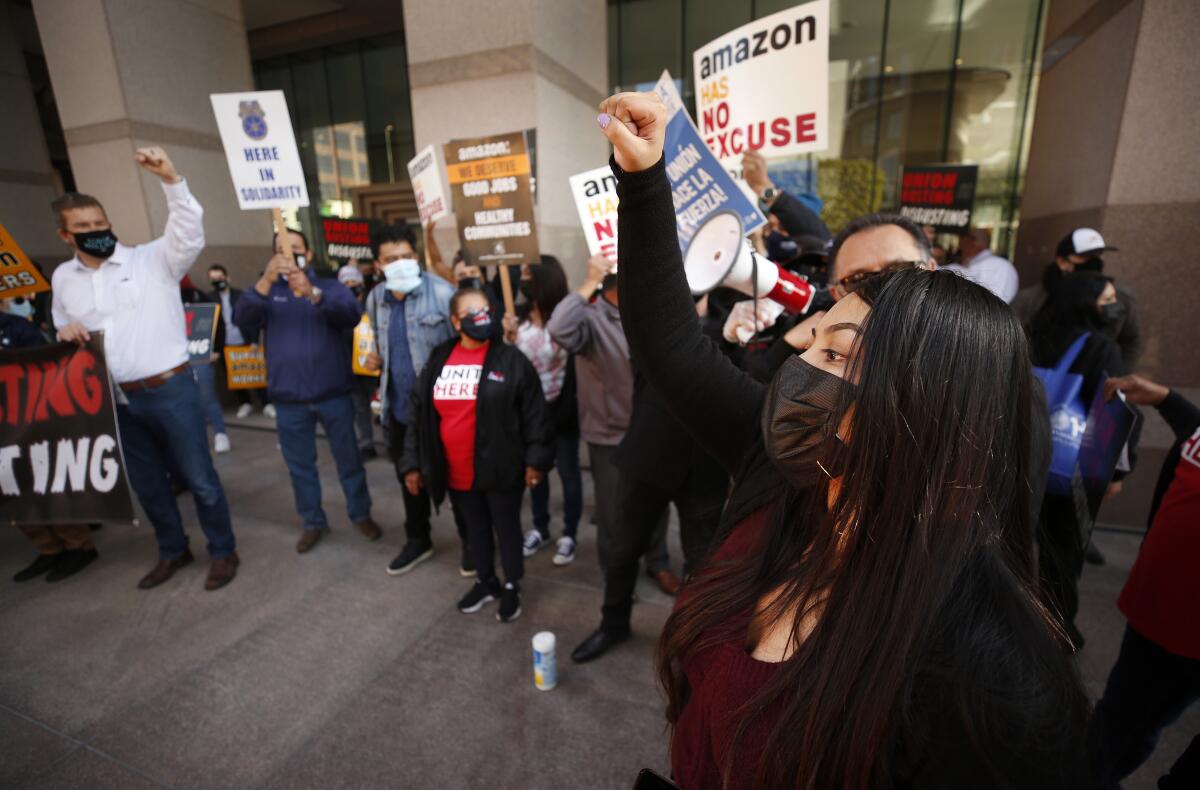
(454, 395)
(1162, 594)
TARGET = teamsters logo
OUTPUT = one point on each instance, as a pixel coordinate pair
(253, 122)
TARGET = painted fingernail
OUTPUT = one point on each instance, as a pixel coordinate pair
(603, 119)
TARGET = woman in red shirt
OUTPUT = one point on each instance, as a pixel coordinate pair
(481, 434)
(870, 620)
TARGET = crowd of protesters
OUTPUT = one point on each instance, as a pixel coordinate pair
(843, 619)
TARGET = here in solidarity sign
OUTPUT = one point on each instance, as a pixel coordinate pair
(264, 162)
(765, 86)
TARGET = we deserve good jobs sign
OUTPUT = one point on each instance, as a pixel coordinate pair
(264, 162)
(765, 86)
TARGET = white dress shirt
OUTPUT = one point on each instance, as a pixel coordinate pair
(992, 272)
(134, 295)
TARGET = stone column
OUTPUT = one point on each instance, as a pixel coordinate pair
(27, 179)
(478, 67)
(131, 73)
(1114, 147)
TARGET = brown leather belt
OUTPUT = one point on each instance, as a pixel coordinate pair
(151, 382)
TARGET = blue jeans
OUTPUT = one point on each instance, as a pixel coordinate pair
(163, 428)
(566, 461)
(206, 383)
(297, 427)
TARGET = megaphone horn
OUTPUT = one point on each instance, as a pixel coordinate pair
(719, 254)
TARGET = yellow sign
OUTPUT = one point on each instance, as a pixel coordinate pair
(245, 367)
(18, 275)
(364, 344)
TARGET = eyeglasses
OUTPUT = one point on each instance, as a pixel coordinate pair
(853, 282)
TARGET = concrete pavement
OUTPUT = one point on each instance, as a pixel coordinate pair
(322, 671)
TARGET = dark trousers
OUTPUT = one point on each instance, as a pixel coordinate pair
(566, 462)
(1147, 689)
(416, 508)
(1060, 560)
(163, 429)
(639, 507)
(493, 519)
(604, 485)
(364, 420)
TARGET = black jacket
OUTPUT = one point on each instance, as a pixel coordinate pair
(512, 423)
(214, 296)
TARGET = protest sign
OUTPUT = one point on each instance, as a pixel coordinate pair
(364, 344)
(245, 367)
(939, 195)
(348, 238)
(700, 187)
(264, 162)
(18, 275)
(765, 86)
(201, 330)
(427, 186)
(489, 184)
(60, 455)
(596, 199)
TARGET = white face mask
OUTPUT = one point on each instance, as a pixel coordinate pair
(403, 275)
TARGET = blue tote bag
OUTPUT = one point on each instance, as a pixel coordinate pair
(1068, 417)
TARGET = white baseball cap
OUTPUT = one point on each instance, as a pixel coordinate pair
(1082, 241)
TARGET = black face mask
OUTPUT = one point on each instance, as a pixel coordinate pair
(220, 285)
(1112, 313)
(470, 282)
(97, 243)
(798, 419)
(477, 325)
(1095, 264)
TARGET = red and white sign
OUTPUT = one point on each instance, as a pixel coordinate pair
(425, 175)
(596, 199)
(765, 86)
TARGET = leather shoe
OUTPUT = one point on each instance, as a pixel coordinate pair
(221, 571)
(667, 581)
(369, 529)
(597, 644)
(165, 569)
(309, 539)
(72, 562)
(43, 564)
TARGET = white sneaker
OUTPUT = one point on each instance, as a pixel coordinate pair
(533, 542)
(566, 551)
(269, 410)
(244, 411)
(221, 443)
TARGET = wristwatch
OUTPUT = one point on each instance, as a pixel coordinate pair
(768, 195)
(315, 296)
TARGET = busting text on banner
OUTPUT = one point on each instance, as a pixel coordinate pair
(493, 202)
(427, 186)
(60, 455)
(201, 325)
(260, 147)
(596, 199)
(700, 187)
(939, 195)
(765, 86)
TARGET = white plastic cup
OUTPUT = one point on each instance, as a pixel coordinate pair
(545, 668)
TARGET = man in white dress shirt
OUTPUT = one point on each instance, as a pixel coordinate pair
(132, 295)
(977, 262)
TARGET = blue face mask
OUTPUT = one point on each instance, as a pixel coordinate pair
(403, 275)
(21, 307)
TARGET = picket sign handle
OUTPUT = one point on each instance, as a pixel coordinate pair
(285, 238)
(506, 287)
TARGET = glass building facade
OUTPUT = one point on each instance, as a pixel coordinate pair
(911, 82)
(352, 117)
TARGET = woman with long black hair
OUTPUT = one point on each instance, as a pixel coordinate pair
(543, 287)
(868, 620)
(1083, 303)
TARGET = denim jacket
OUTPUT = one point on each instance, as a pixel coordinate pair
(427, 313)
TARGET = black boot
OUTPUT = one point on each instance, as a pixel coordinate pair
(72, 562)
(598, 644)
(42, 564)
